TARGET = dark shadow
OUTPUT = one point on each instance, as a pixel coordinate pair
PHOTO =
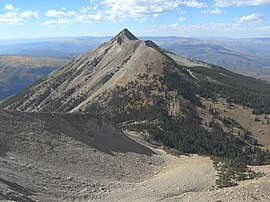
(20, 194)
(15, 187)
(97, 132)
(3, 150)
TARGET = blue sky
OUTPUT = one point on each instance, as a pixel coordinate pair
(187, 18)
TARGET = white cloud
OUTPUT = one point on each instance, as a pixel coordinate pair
(14, 16)
(195, 4)
(9, 7)
(137, 9)
(182, 19)
(29, 14)
(183, 12)
(59, 14)
(172, 26)
(215, 11)
(71, 17)
(85, 9)
(90, 8)
(252, 18)
(113, 10)
(226, 3)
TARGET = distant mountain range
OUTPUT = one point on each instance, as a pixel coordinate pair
(245, 56)
(50, 47)
(17, 72)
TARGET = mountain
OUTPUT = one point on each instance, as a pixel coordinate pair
(17, 72)
(111, 66)
(185, 104)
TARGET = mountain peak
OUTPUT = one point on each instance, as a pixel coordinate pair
(125, 33)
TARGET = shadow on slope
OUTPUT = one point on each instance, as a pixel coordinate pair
(18, 192)
(32, 133)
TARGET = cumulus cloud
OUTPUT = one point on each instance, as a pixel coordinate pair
(114, 10)
(138, 9)
(195, 4)
(177, 26)
(60, 21)
(9, 7)
(71, 17)
(55, 13)
(172, 26)
(213, 12)
(13, 16)
(59, 14)
(182, 19)
(29, 14)
(252, 18)
(226, 3)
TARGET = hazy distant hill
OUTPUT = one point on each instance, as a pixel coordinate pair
(245, 56)
(51, 47)
(17, 72)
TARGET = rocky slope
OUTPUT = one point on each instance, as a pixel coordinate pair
(47, 157)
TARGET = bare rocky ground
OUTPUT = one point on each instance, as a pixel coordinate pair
(86, 158)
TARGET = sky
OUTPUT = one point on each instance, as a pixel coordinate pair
(185, 18)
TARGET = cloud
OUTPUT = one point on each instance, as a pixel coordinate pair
(60, 21)
(137, 9)
(177, 26)
(227, 3)
(9, 7)
(172, 26)
(71, 17)
(14, 16)
(112, 10)
(252, 18)
(59, 14)
(182, 19)
(195, 4)
(213, 12)
(29, 14)
(54, 13)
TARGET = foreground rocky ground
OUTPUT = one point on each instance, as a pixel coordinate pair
(86, 158)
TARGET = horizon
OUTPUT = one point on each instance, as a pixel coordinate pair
(103, 18)
(139, 36)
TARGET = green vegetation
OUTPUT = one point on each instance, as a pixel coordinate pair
(230, 171)
(246, 91)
